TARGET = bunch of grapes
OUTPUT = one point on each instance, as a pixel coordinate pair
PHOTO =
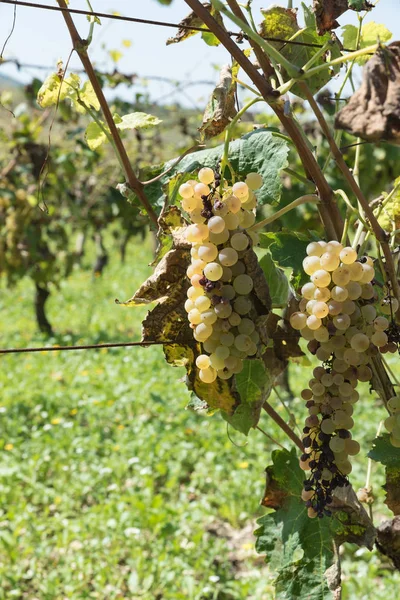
(218, 301)
(343, 329)
(392, 423)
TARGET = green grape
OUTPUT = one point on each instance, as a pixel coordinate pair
(243, 284)
(213, 271)
(207, 252)
(228, 257)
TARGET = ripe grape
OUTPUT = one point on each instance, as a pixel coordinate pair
(254, 181)
(206, 175)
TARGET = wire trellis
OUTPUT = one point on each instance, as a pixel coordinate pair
(154, 23)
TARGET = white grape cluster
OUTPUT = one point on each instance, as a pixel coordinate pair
(392, 423)
(343, 329)
(218, 300)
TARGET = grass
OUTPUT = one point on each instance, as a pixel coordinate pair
(109, 488)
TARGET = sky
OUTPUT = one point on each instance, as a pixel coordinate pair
(41, 37)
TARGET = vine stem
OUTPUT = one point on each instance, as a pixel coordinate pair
(269, 50)
(279, 213)
(283, 425)
(80, 46)
(328, 208)
(229, 130)
(270, 437)
(380, 234)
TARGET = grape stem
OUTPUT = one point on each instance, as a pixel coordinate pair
(270, 437)
(228, 136)
(284, 426)
(80, 46)
(175, 164)
(279, 213)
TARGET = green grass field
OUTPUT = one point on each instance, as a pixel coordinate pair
(109, 488)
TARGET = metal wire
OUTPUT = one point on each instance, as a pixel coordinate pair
(87, 347)
(151, 22)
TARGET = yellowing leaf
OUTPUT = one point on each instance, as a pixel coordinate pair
(88, 96)
(94, 136)
(115, 55)
(49, 92)
(371, 33)
(137, 120)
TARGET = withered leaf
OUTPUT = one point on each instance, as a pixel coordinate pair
(192, 20)
(388, 540)
(353, 522)
(373, 112)
(392, 488)
(327, 11)
(221, 106)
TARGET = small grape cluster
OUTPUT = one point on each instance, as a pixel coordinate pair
(392, 423)
(343, 330)
(218, 300)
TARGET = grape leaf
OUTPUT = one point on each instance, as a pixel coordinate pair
(370, 34)
(254, 386)
(221, 107)
(382, 451)
(288, 250)
(281, 22)
(260, 151)
(299, 549)
(276, 279)
(370, 113)
(138, 120)
(95, 135)
(192, 20)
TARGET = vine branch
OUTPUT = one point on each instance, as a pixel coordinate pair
(328, 208)
(80, 46)
(283, 425)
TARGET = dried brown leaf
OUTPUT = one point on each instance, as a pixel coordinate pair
(373, 112)
(220, 109)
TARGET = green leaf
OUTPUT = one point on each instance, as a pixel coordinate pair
(382, 451)
(288, 250)
(137, 120)
(254, 386)
(359, 5)
(281, 22)
(297, 548)
(260, 151)
(370, 34)
(276, 279)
